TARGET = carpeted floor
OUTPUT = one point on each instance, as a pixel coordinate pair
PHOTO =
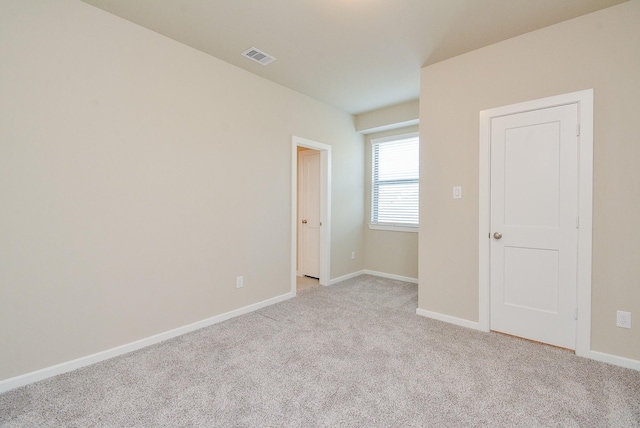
(305, 282)
(354, 354)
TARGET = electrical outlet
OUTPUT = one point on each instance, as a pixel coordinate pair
(353, 255)
(239, 282)
(623, 319)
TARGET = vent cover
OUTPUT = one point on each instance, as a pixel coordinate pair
(258, 56)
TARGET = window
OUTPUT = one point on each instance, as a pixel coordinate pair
(395, 181)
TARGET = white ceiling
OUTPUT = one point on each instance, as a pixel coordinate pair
(357, 55)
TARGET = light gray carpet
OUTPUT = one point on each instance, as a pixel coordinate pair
(354, 354)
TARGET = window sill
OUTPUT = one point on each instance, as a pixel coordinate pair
(394, 228)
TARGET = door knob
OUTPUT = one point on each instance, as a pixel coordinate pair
(304, 221)
(497, 235)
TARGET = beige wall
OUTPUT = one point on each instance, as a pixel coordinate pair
(600, 51)
(138, 178)
(390, 117)
(388, 251)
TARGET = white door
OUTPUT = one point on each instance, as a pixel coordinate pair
(309, 213)
(534, 237)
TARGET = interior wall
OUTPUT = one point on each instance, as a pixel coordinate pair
(387, 251)
(601, 51)
(387, 118)
(138, 178)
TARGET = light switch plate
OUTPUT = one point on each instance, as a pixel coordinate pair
(457, 192)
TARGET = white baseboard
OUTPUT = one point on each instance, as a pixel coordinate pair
(593, 355)
(345, 277)
(25, 379)
(391, 276)
(451, 320)
(374, 273)
(612, 359)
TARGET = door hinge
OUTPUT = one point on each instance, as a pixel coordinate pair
(575, 315)
(320, 223)
(578, 222)
(577, 130)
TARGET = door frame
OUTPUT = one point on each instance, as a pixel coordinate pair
(325, 207)
(584, 100)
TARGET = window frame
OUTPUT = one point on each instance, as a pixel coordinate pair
(399, 227)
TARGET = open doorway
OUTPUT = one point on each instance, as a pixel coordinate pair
(310, 214)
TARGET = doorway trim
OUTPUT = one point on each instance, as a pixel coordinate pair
(325, 207)
(584, 100)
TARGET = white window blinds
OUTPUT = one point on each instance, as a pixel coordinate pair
(395, 181)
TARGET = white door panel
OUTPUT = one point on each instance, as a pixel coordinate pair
(531, 175)
(534, 188)
(309, 213)
(530, 279)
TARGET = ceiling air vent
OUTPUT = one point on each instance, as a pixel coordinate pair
(258, 56)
